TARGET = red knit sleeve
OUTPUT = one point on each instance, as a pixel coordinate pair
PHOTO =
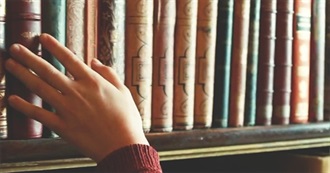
(133, 158)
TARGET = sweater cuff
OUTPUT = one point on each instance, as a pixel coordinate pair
(132, 158)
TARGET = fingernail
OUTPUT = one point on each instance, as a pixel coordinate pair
(14, 48)
(96, 61)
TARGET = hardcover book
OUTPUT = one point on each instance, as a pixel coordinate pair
(205, 61)
(91, 30)
(327, 66)
(138, 60)
(3, 116)
(23, 25)
(184, 64)
(163, 65)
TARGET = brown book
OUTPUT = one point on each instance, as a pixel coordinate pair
(75, 35)
(111, 34)
(163, 65)
(91, 33)
(138, 60)
(3, 116)
(301, 61)
(283, 62)
(238, 62)
(23, 25)
(316, 90)
(205, 62)
(184, 64)
(327, 66)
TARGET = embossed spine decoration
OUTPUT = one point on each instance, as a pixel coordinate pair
(301, 61)
(138, 60)
(23, 26)
(205, 61)
(184, 64)
(163, 65)
(283, 62)
(91, 33)
(111, 35)
(239, 62)
(75, 27)
(3, 116)
(316, 92)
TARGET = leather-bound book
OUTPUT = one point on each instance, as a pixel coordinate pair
(163, 65)
(222, 63)
(3, 116)
(23, 25)
(265, 83)
(53, 14)
(91, 33)
(138, 60)
(301, 61)
(75, 27)
(252, 65)
(239, 62)
(111, 34)
(184, 64)
(327, 66)
(283, 62)
(205, 61)
(316, 90)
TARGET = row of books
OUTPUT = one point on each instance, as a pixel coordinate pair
(188, 63)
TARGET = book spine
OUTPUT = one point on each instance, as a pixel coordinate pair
(301, 61)
(138, 61)
(205, 61)
(327, 66)
(3, 116)
(53, 16)
(163, 65)
(316, 97)
(75, 27)
(91, 30)
(184, 64)
(252, 64)
(23, 25)
(239, 62)
(283, 62)
(222, 63)
(266, 63)
(111, 47)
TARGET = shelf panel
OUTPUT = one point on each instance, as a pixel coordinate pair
(41, 154)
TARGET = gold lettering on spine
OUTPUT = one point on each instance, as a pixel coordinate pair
(28, 35)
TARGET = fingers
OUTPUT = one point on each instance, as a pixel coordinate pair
(107, 72)
(72, 64)
(42, 68)
(47, 118)
(34, 83)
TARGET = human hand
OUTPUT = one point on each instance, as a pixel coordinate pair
(94, 111)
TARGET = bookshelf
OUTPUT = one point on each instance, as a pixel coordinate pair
(50, 154)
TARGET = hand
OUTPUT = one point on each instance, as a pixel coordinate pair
(94, 110)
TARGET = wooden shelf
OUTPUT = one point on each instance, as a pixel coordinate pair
(42, 154)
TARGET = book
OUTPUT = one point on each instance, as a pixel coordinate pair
(301, 61)
(222, 63)
(239, 62)
(75, 27)
(23, 25)
(111, 35)
(265, 83)
(163, 65)
(316, 90)
(184, 64)
(205, 62)
(138, 57)
(252, 64)
(3, 116)
(53, 15)
(283, 62)
(91, 30)
(327, 66)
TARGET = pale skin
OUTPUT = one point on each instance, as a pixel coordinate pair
(94, 111)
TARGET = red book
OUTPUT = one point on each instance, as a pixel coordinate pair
(238, 62)
(301, 61)
(23, 25)
(283, 62)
